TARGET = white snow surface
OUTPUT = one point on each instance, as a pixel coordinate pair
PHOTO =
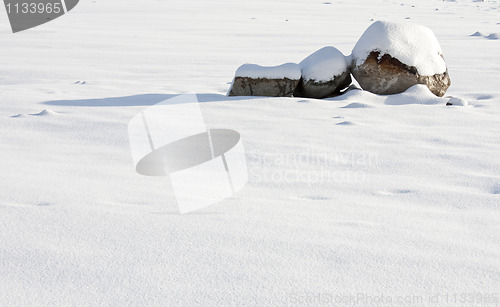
(410, 43)
(323, 65)
(354, 197)
(287, 70)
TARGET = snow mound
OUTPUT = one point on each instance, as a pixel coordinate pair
(457, 101)
(493, 36)
(288, 70)
(477, 33)
(357, 105)
(412, 44)
(346, 123)
(417, 94)
(45, 112)
(323, 65)
(17, 116)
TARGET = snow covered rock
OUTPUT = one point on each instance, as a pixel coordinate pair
(391, 57)
(324, 73)
(457, 101)
(255, 80)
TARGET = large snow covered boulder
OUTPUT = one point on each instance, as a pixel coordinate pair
(324, 74)
(391, 57)
(255, 80)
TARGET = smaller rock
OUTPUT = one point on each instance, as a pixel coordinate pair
(275, 81)
(324, 74)
(457, 101)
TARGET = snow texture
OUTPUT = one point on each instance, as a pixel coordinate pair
(396, 195)
(288, 70)
(412, 44)
(323, 65)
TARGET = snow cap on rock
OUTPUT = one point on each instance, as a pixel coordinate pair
(412, 44)
(288, 70)
(323, 65)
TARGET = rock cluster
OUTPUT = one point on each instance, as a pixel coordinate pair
(389, 58)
